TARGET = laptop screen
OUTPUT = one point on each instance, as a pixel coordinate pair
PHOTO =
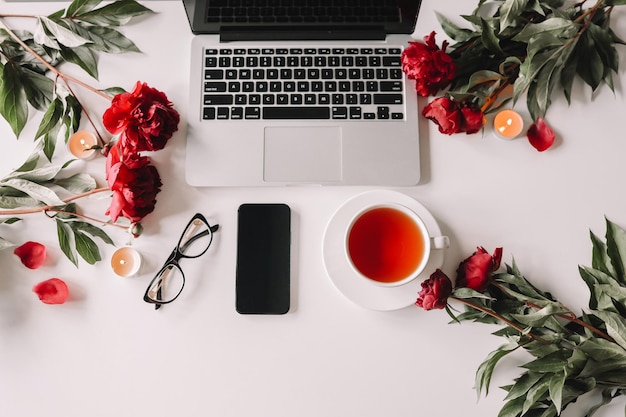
(303, 16)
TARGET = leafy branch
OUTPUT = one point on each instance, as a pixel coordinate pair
(535, 46)
(74, 35)
(572, 355)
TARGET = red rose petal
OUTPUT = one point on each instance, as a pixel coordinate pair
(540, 136)
(52, 291)
(32, 254)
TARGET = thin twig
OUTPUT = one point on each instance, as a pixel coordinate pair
(499, 317)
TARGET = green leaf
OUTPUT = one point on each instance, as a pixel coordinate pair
(13, 102)
(50, 118)
(489, 38)
(523, 384)
(452, 30)
(485, 370)
(554, 362)
(560, 27)
(512, 408)
(62, 35)
(598, 300)
(536, 393)
(83, 57)
(77, 183)
(92, 230)
(80, 6)
(555, 388)
(600, 259)
(38, 88)
(66, 238)
(539, 317)
(34, 190)
(114, 14)
(615, 325)
(467, 293)
(510, 11)
(13, 202)
(110, 40)
(86, 247)
(39, 175)
(30, 163)
(616, 249)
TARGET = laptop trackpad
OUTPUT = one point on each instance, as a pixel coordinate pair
(302, 154)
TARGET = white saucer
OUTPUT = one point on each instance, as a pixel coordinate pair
(354, 287)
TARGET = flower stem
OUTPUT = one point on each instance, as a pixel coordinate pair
(572, 317)
(499, 317)
(49, 208)
(82, 216)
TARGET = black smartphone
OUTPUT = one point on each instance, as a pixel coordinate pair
(263, 259)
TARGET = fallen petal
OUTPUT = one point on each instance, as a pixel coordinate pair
(52, 291)
(32, 254)
(540, 136)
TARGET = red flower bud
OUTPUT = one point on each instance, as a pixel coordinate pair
(32, 254)
(435, 291)
(475, 271)
(52, 291)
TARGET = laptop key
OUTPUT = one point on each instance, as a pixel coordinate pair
(214, 87)
(217, 99)
(253, 113)
(208, 113)
(340, 112)
(277, 113)
(222, 113)
(387, 98)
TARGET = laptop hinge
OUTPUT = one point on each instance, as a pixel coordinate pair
(265, 33)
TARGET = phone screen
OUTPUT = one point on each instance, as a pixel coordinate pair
(263, 259)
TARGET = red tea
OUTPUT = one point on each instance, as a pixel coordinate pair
(385, 245)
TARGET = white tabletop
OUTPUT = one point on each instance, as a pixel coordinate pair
(107, 353)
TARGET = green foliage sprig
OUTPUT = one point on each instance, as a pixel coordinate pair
(572, 354)
(30, 80)
(535, 46)
(73, 35)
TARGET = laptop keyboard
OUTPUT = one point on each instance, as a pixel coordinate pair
(303, 83)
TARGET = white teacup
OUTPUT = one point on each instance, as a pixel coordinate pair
(389, 245)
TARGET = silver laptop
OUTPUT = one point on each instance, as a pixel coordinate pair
(301, 92)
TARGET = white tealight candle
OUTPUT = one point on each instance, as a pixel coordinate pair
(508, 124)
(80, 143)
(125, 262)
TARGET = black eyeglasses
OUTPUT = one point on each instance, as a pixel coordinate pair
(168, 283)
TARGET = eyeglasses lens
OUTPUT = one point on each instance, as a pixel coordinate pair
(167, 285)
(195, 239)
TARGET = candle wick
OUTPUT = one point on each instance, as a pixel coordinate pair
(122, 261)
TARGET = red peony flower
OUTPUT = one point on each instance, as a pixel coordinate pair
(32, 254)
(475, 271)
(540, 135)
(431, 68)
(134, 182)
(454, 117)
(52, 291)
(473, 119)
(446, 114)
(144, 118)
(435, 291)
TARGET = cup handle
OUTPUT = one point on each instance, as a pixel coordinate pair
(439, 242)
